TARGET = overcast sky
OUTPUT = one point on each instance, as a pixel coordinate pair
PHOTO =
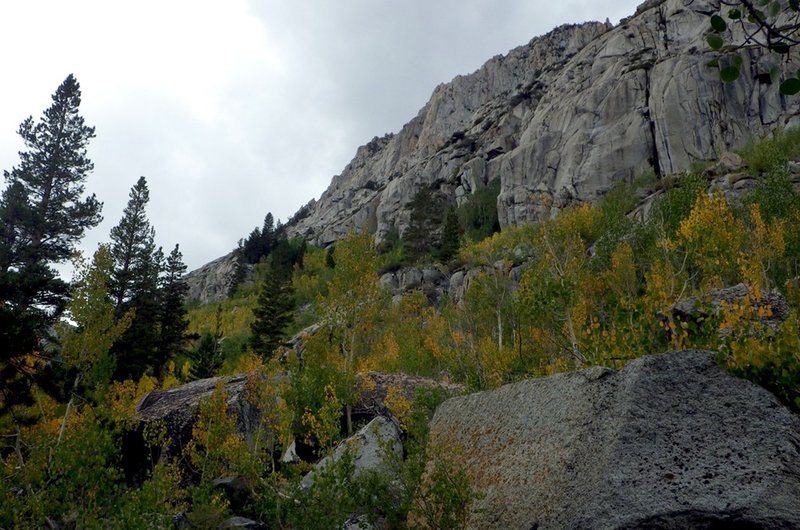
(235, 108)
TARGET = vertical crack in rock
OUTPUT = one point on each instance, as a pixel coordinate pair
(662, 22)
(653, 159)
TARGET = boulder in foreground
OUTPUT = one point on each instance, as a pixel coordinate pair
(671, 441)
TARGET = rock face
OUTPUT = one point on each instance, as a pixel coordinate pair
(669, 442)
(559, 120)
(212, 282)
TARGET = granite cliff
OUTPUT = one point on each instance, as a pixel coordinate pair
(559, 121)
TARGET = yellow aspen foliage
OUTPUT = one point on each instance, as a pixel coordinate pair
(248, 362)
(398, 405)
(88, 344)
(170, 377)
(217, 449)
(391, 350)
(664, 285)
(621, 278)
(499, 246)
(765, 245)
(351, 306)
(322, 426)
(123, 398)
(712, 238)
(264, 388)
(495, 362)
(235, 316)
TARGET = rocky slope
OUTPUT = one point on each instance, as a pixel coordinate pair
(671, 441)
(558, 120)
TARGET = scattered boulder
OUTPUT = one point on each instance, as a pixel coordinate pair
(357, 522)
(243, 523)
(290, 455)
(236, 490)
(297, 342)
(773, 306)
(728, 163)
(368, 448)
(670, 441)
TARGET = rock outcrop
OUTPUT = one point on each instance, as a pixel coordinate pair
(559, 120)
(177, 407)
(671, 441)
(213, 281)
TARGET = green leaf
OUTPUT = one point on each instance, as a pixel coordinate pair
(737, 60)
(790, 87)
(718, 24)
(729, 74)
(794, 5)
(774, 73)
(715, 41)
(735, 14)
(774, 9)
(713, 63)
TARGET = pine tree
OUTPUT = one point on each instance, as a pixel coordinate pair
(44, 215)
(206, 357)
(135, 285)
(451, 235)
(173, 325)
(268, 236)
(137, 351)
(273, 313)
(132, 243)
(421, 236)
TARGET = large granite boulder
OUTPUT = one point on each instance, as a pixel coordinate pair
(177, 407)
(669, 442)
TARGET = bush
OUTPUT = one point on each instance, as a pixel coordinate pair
(772, 153)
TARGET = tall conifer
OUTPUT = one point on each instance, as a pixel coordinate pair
(173, 323)
(134, 285)
(43, 215)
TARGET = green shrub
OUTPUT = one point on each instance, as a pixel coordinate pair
(773, 152)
